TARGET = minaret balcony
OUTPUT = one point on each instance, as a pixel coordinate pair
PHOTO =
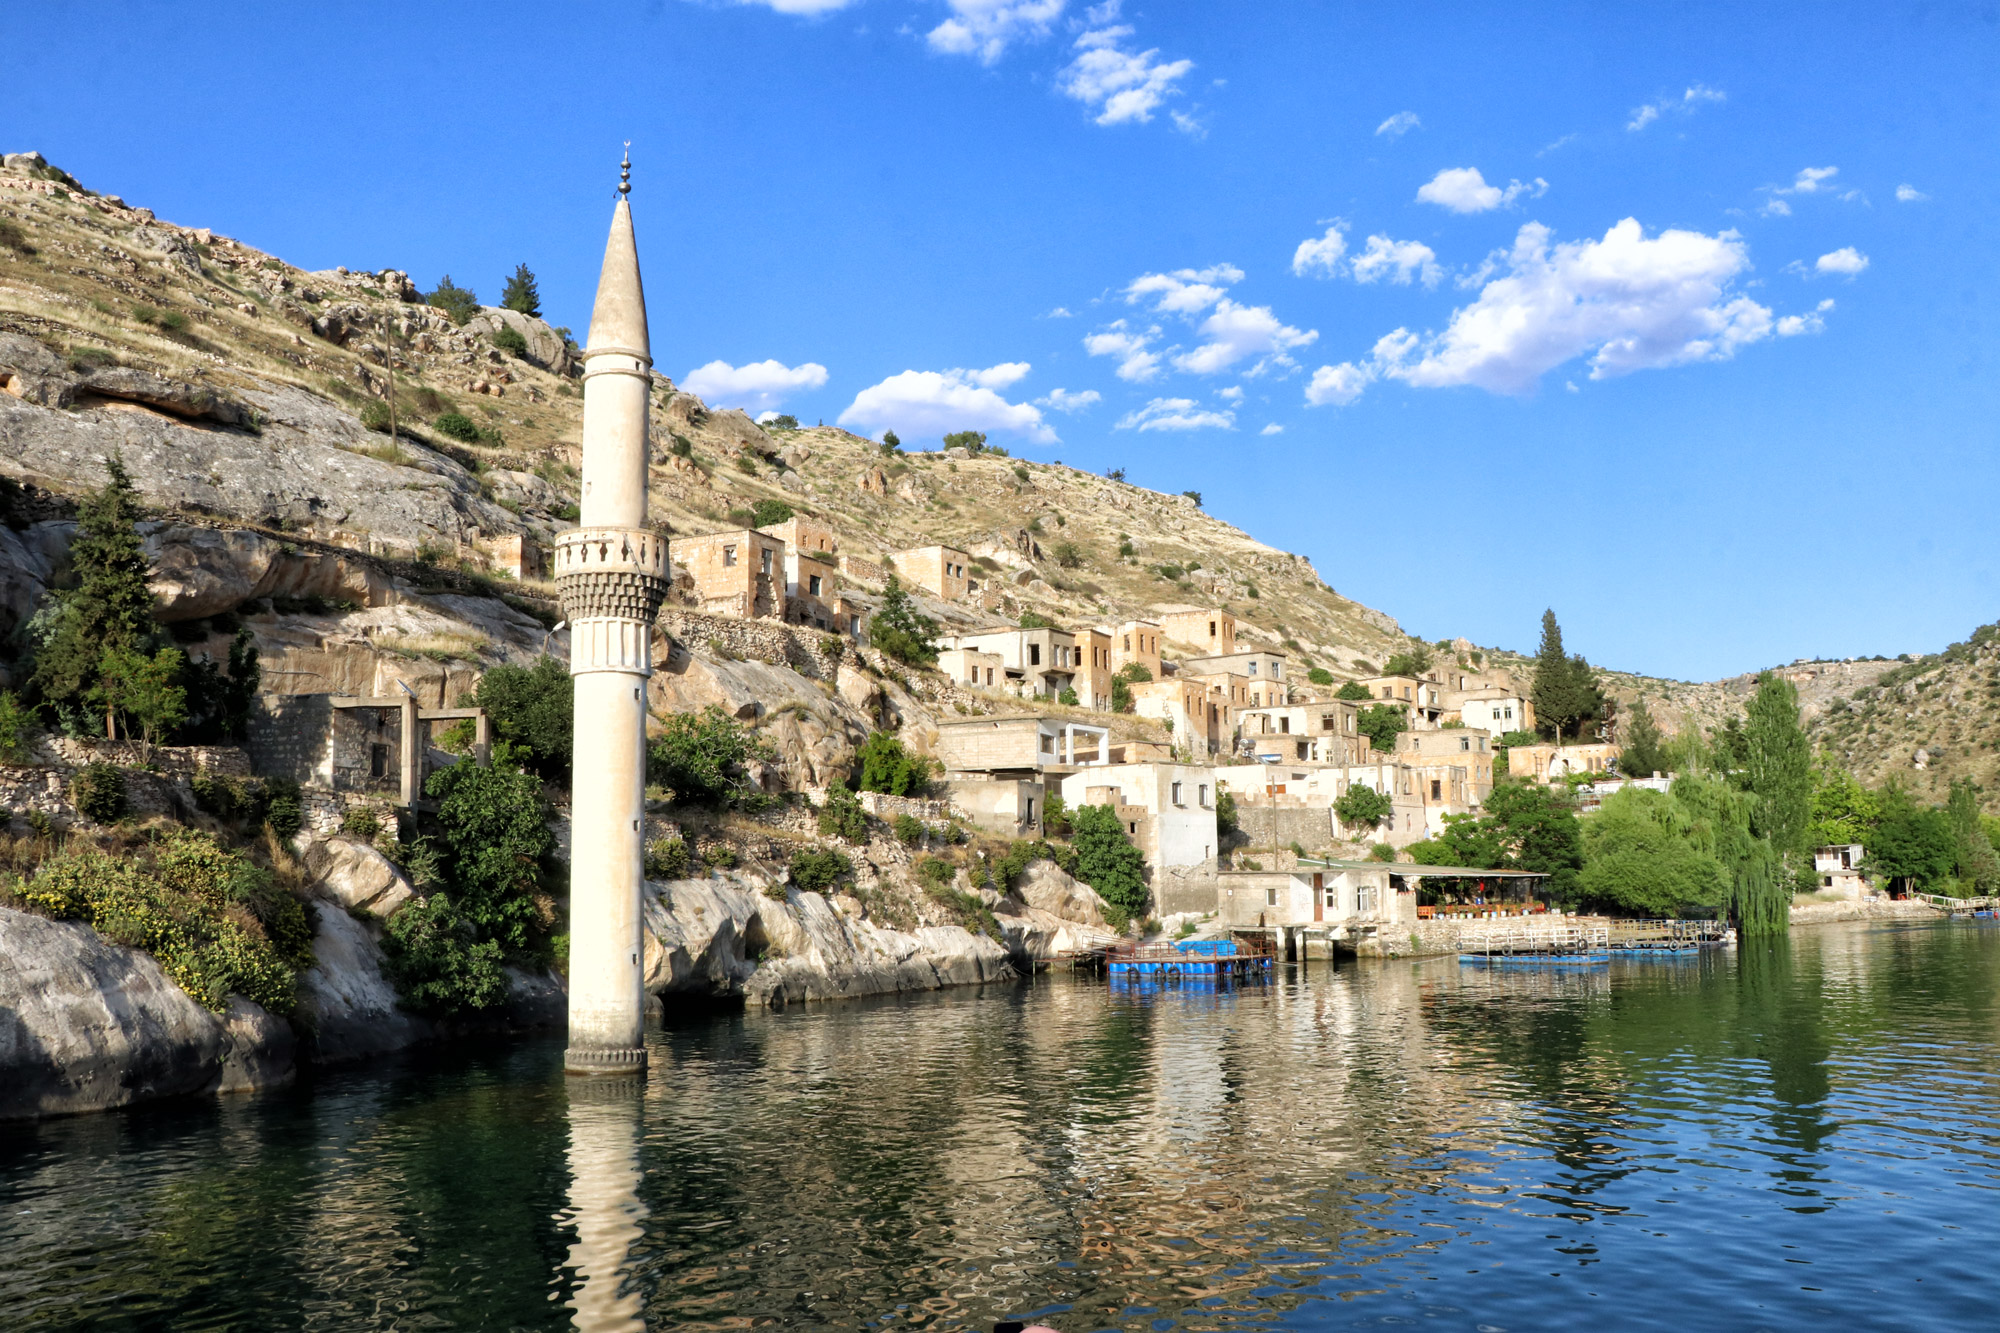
(618, 573)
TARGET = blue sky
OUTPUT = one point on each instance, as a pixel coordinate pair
(1703, 355)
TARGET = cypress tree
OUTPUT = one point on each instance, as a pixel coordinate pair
(110, 609)
(1977, 861)
(1779, 765)
(521, 295)
(1564, 691)
(1643, 749)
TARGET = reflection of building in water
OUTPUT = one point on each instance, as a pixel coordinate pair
(604, 1203)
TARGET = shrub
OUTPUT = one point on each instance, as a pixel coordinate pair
(909, 830)
(1108, 862)
(1067, 697)
(1413, 661)
(16, 721)
(721, 856)
(1055, 817)
(1381, 851)
(899, 631)
(972, 440)
(437, 962)
(510, 340)
(375, 416)
(458, 302)
(173, 321)
(887, 767)
(770, 513)
(934, 872)
(361, 823)
(783, 421)
(698, 756)
(1068, 554)
(284, 810)
(667, 858)
(86, 359)
(145, 314)
(1363, 807)
(533, 709)
(1353, 690)
(817, 871)
(1225, 814)
(13, 238)
(493, 827)
(682, 447)
(458, 426)
(842, 816)
(747, 464)
(1194, 496)
(1320, 676)
(98, 792)
(890, 443)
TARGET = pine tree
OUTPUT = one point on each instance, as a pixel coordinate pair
(1643, 750)
(899, 630)
(521, 295)
(110, 609)
(1562, 690)
(1778, 763)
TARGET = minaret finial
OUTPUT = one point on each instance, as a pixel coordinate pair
(625, 171)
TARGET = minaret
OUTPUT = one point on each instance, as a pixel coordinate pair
(612, 574)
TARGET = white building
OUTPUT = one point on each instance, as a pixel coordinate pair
(1168, 809)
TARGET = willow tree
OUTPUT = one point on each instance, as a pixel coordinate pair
(1778, 763)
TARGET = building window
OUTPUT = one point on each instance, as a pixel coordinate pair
(728, 555)
(1285, 726)
(1253, 668)
(1465, 742)
(378, 761)
(813, 585)
(1201, 792)
(1034, 654)
(1437, 789)
(854, 624)
(1128, 643)
(767, 561)
(1211, 629)
(1177, 794)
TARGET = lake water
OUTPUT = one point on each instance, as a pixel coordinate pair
(1804, 1135)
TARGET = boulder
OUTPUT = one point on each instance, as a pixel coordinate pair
(874, 481)
(346, 1005)
(354, 876)
(34, 374)
(204, 571)
(1045, 886)
(735, 426)
(24, 161)
(86, 1025)
(546, 347)
(195, 402)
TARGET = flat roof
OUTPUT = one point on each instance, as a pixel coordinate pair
(1410, 871)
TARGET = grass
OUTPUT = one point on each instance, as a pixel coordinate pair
(436, 647)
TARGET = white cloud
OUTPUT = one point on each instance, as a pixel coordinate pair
(1339, 385)
(1814, 321)
(1062, 400)
(1397, 261)
(985, 28)
(1813, 180)
(1563, 142)
(1628, 302)
(1464, 190)
(1192, 126)
(1910, 194)
(1321, 255)
(1236, 332)
(1119, 85)
(923, 403)
(1776, 208)
(1686, 103)
(1399, 124)
(1232, 394)
(1176, 414)
(1847, 262)
(1272, 429)
(757, 387)
(1060, 312)
(806, 7)
(1137, 361)
(1185, 291)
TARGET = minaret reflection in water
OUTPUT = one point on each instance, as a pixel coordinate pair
(604, 1204)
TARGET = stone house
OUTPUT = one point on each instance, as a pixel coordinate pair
(1168, 811)
(1348, 900)
(1450, 755)
(1495, 709)
(1550, 762)
(942, 571)
(1423, 698)
(1324, 732)
(1038, 663)
(1839, 867)
(1210, 631)
(740, 573)
(1092, 682)
(1135, 641)
(1199, 715)
(970, 667)
(999, 769)
(1263, 671)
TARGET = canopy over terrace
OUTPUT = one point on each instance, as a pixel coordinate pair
(1458, 890)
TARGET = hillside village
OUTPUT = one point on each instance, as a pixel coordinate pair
(365, 486)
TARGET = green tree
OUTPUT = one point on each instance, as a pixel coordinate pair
(1978, 868)
(493, 824)
(1362, 807)
(1842, 810)
(521, 294)
(886, 766)
(1779, 765)
(1524, 826)
(1194, 496)
(456, 301)
(437, 961)
(1412, 661)
(890, 443)
(842, 816)
(533, 709)
(1226, 821)
(1132, 673)
(1638, 860)
(1353, 690)
(142, 690)
(1382, 723)
(699, 757)
(1320, 676)
(1643, 750)
(109, 608)
(770, 513)
(15, 721)
(975, 440)
(1107, 861)
(900, 631)
(1564, 689)
(1913, 843)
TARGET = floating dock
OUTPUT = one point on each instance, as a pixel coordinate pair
(1668, 939)
(1196, 959)
(1569, 946)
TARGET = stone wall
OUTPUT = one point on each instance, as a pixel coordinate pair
(1277, 826)
(1185, 889)
(801, 650)
(1447, 936)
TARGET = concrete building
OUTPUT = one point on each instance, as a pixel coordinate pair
(1839, 868)
(806, 536)
(969, 666)
(1343, 901)
(942, 571)
(999, 769)
(1550, 762)
(1135, 641)
(1211, 632)
(612, 573)
(1168, 809)
(1198, 714)
(740, 573)
(1263, 672)
(1038, 663)
(1496, 710)
(1092, 681)
(1323, 732)
(1423, 698)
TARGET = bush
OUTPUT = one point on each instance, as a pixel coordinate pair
(1069, 555)
(1108, 862)
(770, 513)
(458, 302)
(533, 709)
(199, 910)
(934, 872)
(1381, 851)
(16, 722)
(699, 756)
(438, 963)
(817, 871)
(375, 416)
(98, 792)
(493, 826)
(284, 810)
(1055, 817)
(1226, 822)
(458, 426)
(1067, 697)
(909, 830)
(1410, 662)
(667, 858)
(13, 238)
(510, 340)
(783, 421)
(888, 767)
(842, 816)
(1362, 807)
(1194, 496)
(1321, 676)
(361, 823)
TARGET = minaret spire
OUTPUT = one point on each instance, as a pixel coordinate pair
(612, 574)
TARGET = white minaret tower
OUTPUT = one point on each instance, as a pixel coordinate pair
(611, 573)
